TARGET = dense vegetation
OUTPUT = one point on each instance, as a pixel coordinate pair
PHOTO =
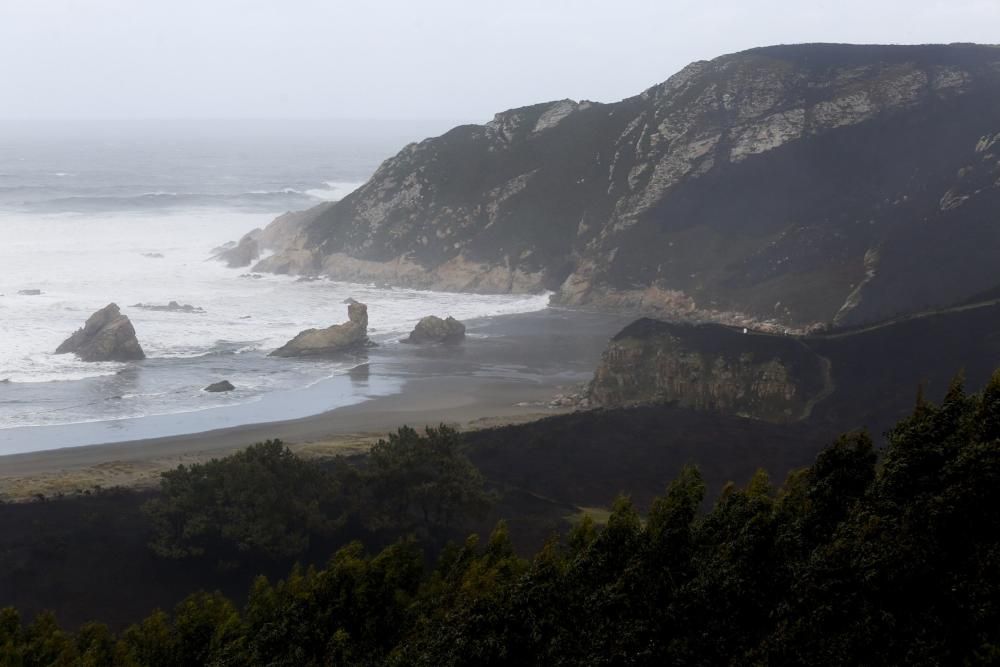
(850, 561)
(265, 502)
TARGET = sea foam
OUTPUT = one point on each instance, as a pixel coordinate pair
(83, 261)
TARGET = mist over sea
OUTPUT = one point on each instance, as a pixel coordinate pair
(93, 213)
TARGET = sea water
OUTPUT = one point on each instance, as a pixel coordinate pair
(100, 213)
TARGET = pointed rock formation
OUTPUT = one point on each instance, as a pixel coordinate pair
(349, 336)
(433, 329)
(107, 336)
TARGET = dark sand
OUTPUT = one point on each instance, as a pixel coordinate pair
(507, 371)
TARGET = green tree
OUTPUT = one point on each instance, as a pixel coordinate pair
(152, 642)
(424, 481)
(204, 623)
(262, 501)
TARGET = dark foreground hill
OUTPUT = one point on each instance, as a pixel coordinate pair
(88, 557)
(790, 184)
(851, 561)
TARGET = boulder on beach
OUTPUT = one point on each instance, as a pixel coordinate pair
(107, 336)
(433, 329)
(347, 337)
(223, 385)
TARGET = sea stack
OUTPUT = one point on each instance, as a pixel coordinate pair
(107, 336)
(347, 337)
(433, 329)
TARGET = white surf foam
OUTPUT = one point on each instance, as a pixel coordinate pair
(81, 262)
(334, 190)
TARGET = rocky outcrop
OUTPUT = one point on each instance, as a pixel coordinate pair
(108, 335)
(787, 185)
(281, 236)
(243, 253)
(172, 307)
(222, 385)
(351, 336)
(433, 329)
(710, 367)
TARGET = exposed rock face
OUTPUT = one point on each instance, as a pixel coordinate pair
(107, 336)
(710, 367)
(280, 235)
(347, 337)
(244, 253)
(793, 185)
(433, 329)
(223, 385)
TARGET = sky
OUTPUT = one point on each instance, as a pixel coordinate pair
(455, 60)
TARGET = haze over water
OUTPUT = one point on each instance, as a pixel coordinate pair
(86, 210)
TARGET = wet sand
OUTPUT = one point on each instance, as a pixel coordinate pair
(507, 371)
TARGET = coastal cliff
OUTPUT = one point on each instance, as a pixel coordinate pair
(710, 367)
(781, 187)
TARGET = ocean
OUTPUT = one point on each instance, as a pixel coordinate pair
(129, 213)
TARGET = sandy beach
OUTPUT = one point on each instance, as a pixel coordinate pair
(508, 371)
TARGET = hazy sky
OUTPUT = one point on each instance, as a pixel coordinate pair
(406, 59)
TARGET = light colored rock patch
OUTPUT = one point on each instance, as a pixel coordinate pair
(292, 261)
(949, 79)
(846, 110)
(770, 133)
(900, 87)
(630, 129)
(672, 167)
(872, 256)
(504, 126)
(843, 77)
(500, 194)
(987, 142)
(580, 289)
(678, 83)
(672, 128)
(554, 115)
(456, 275)
(636, 174)
(462, 275)
(758, 92)
(952, 200)
(283, 231)
(377, 202)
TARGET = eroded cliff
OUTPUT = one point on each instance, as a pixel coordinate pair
(711, 367)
